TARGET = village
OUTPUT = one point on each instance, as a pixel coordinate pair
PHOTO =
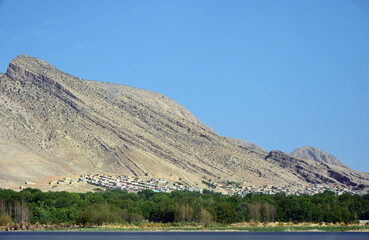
(126, 183)
(303, 190)
(137, 184)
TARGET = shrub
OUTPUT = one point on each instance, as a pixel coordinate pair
(104, 213)
(5, 219)
(206, 217)
(99, 214)
(134, 218)
(225, 213)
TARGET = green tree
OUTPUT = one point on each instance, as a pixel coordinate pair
(225, 213)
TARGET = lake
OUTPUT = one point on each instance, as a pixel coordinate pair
(182, 235)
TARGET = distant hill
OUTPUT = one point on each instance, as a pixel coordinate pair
(55, 124)
(312, 153)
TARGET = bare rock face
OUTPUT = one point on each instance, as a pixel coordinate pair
(318, 155)
(310, 173)
(55, 124)
(315, 172)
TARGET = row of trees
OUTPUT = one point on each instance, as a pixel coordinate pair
(18, 209)
(113, 206)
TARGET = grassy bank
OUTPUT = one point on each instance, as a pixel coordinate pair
(250, 227)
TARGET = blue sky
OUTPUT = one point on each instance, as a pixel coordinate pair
(281, 74)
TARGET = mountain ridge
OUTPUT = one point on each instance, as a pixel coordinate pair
(316, 154)
(58, 124)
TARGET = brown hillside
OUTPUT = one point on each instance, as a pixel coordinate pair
(53, 123)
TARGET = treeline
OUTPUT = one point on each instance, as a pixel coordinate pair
(117, 206)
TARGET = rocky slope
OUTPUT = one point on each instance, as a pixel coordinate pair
(318, 155)
(311, 172)
(245, 144)
(55, 124)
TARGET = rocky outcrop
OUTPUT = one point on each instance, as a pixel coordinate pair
(341, 178)
(317, 155)
(304, 170)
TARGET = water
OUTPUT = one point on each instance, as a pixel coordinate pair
(182, 235)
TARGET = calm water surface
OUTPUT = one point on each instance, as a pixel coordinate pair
(181, 235)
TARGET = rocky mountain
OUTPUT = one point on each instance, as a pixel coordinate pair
(312, 153)
(55, 124)
(309, 171)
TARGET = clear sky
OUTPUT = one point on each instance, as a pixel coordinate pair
(281, 74)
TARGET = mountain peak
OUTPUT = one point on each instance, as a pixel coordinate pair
(318, 155)
(22, 58)
(23, 65)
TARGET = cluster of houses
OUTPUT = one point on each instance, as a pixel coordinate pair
(301, 190)
(136, 184)
(127, 183)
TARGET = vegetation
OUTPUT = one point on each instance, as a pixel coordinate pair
(220, 227)
(120, 207)
(210, 185)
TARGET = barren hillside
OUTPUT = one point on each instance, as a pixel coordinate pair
(53, 123)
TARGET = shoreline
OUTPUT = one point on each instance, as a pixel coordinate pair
(292, 228)
(190, 227)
